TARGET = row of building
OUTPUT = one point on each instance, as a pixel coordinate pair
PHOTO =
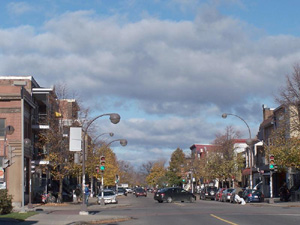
(25, 111)
(257, 172)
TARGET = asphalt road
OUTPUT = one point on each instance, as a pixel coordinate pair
(146, 211)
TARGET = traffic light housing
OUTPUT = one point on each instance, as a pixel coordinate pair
(97, 169)
(102, 163)
(271, 162)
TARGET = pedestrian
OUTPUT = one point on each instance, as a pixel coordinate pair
(77, 193)
(238, 196)
(86, 194)
(284, 193)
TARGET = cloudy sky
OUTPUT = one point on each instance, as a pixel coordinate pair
(170, 68)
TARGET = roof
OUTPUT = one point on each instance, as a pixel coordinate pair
(203, 147)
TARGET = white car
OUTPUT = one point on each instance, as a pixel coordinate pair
(129, 190)
(109, 197)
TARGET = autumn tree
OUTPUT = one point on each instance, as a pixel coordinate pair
(53, 139)
(284, 143)
(177, 161)
(157, 175)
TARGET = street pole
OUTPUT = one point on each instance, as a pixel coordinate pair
(114, 118)
(249, 142)
(271, 200)
(102, 190)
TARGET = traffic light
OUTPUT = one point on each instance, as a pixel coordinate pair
(271, 162)
(102, 163)
(97, 169)
(5, 163)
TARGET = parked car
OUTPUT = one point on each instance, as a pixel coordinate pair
(122, 191)
(226, 195)
(251, 195)
(208, 193)
(140, 192)
(174, 194)
(129, 190)
(109, 197)
(219, 194)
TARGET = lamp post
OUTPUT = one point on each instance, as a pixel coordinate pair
(248, 141)
(114, 118)
(123, 142)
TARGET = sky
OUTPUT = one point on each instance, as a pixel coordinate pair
(170, 68)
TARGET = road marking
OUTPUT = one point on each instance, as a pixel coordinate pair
(226, 221)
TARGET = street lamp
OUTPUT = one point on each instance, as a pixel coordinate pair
(114, 118)
(110, 134)
(123, 142)
(249, 142)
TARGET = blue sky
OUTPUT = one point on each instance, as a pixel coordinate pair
(170, 68)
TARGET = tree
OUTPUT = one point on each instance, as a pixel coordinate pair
(157, 175)
(285, 150)
(285, 139)
(174, 170)
(127, 174)
(53, 141)
(224, 163)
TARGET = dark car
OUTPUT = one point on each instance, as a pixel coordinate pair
(219, 194)
(140, 192)
(174, 194)
(226, 195)
(122, 191)
(208, 193)
(251, 195)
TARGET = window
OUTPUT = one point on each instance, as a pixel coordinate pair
(2, 127)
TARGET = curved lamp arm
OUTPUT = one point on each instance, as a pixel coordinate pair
(123, 142)
(224, 116)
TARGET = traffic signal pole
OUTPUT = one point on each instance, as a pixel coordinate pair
(102, 189)
(271, 201)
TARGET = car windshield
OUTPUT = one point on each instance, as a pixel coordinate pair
(108, 193)
(140, 190)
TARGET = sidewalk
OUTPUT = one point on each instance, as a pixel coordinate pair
(277, 203)
(68, 213)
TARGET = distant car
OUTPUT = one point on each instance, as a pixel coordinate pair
(174, 194)
(208, 193)
(129, 190)
(122, 191)
(226, 195)
(109, 197)
(219, 194)
(140, 192)
(251, 195)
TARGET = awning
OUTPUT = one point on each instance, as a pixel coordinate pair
(246, 172)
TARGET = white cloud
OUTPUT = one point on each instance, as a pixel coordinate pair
(189, 72)
(19, 8)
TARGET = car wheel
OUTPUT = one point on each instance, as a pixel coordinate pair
(169, 199)
(159, 201)
(192, 199)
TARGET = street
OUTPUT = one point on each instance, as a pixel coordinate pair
(146, 211)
